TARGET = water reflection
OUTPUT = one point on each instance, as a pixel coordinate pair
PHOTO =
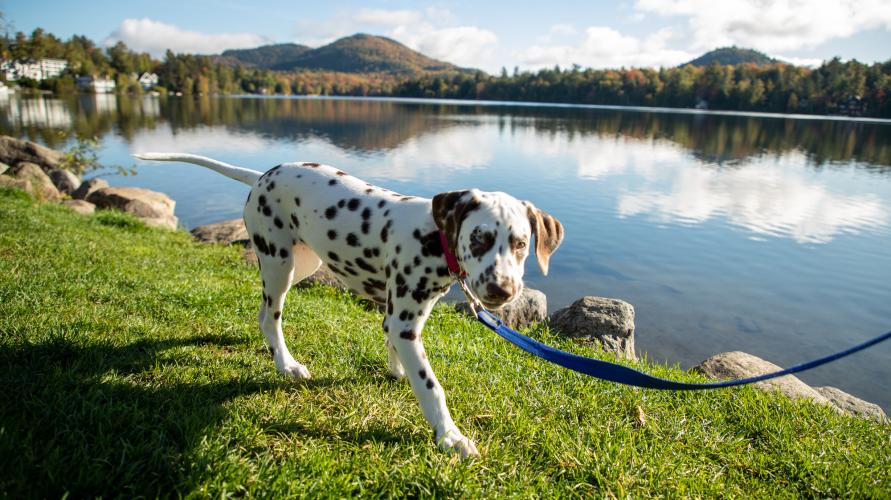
(369, 126)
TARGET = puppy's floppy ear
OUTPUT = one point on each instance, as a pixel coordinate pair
(450, 209)
(548, 234)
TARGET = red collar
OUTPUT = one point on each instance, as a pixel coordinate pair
(451, 260)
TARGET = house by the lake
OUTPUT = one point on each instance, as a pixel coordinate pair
(95, 85)
(39, 70)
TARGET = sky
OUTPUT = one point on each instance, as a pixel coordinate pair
(486, 35)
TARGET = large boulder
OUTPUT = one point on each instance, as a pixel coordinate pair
(87, 188)
(43, 187)
(11, 182)
(608, 322)
(154, 208)
(530, 307)
(14, 151)
(228, 232)
(737, 364)
(65, 181)
(853, 405)
(80, 206)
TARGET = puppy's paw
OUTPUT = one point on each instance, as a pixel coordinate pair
(297, 371)
(455, 442)
(396, 369)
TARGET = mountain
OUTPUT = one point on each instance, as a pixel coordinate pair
(732, 56)
(265, 57)
(359, 53)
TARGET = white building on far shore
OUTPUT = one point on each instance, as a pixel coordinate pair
(95, 84)
(39, 70)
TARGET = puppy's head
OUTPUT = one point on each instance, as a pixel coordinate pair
(491, 235)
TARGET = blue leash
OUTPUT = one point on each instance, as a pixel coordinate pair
(622, 374)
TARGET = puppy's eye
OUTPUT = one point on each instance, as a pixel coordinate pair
(481, 241)
(521, 245)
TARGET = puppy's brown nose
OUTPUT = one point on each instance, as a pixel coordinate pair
(497, 292)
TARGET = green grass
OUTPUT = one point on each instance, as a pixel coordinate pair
(131, 364)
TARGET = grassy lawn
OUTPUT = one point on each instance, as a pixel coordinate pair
(131, 364)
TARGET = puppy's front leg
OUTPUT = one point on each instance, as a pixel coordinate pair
(403, 324)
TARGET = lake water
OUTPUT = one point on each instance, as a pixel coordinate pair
(770, 235)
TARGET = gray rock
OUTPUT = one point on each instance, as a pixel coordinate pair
(530, 307)
(43, 187)
(152, 207)
(87, 188)
(227, 232)
(737, 364)
(11, 182)
(80, 206)
(609, 322)
(853, 405)
(65, 181)
(14, 151)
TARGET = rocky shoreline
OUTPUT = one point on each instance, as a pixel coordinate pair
(605, 322)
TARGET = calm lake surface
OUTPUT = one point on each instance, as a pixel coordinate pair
(770, 235)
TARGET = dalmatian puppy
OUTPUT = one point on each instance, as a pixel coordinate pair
(387, 248)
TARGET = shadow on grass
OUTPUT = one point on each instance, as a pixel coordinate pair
(89, 419)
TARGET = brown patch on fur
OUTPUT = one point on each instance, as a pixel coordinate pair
(449, 211)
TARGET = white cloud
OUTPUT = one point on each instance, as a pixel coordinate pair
(563, 29)
(771, 26)
(155, 37)
(604, 47)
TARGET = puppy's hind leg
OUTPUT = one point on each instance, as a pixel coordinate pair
(277, 272)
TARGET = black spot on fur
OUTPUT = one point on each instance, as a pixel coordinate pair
(381, 203)
(352, 240)
(332, 234)
(341, 203)
(408, 335)
(332, 182)
(367, 253)
(277, 315)
(270, 186)
(430, 243)
(429, 384)
(366, 214)
(261, 200)
(422, 374)
(353, 204)
(364, 265)
(333, 256)
(331, 212)
(267, 211)
(297, 201)
(365, 227)
(278, 223)
(389, 307)
(283, 253)
(295, 221)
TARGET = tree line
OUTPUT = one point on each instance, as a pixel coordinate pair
(847, 87)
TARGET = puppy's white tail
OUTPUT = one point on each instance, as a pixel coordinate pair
(244, 175)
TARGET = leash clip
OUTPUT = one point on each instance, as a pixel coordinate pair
(475, 305)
